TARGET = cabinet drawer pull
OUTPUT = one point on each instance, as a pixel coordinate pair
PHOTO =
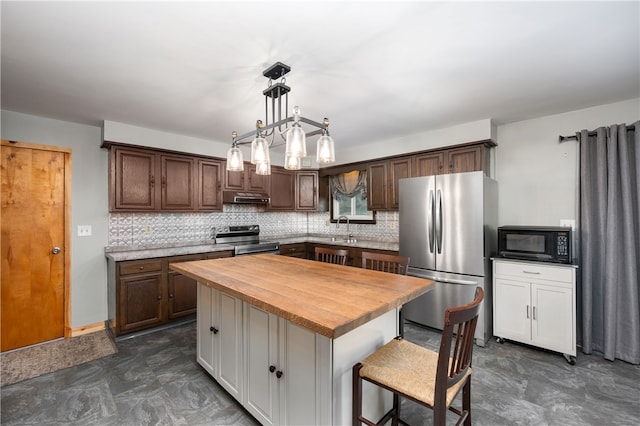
(141, 268)
(531, 272)
(272, 368)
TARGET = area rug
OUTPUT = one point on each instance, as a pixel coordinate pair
(34, 361)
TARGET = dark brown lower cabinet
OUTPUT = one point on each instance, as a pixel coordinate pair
(183, 291)
(294, 250)
(149, 294)
(140, 301)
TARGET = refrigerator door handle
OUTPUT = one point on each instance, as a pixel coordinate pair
(450, 280)
(439, 221)
(430, 215)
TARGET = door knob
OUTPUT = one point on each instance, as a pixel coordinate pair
(55, 250)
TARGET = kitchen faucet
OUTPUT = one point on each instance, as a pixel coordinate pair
(348, 238)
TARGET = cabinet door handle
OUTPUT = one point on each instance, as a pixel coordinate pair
(159, 297)
(152, 179)
(214, 330)
(278, 374)
(272, 368)
(534, 312)
(531, 272)
(170, 295)
(527, 311)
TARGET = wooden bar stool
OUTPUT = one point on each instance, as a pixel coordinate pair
(335, 256)
(429, 378)
(387, 263)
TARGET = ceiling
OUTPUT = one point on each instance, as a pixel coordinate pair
(377, 70)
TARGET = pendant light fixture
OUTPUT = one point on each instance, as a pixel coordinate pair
(293, 136)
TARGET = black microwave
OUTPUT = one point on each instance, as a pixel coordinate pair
(540, 243)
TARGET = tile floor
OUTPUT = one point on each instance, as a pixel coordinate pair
(155, 380)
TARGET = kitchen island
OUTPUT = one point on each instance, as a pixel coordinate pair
(281, 334)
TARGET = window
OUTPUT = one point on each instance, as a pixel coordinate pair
(355, 208)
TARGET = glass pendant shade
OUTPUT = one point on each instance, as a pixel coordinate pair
(296, 142)
(235, 162)
(325, 152)
(263, 168)
(260, 151)
(292, 162)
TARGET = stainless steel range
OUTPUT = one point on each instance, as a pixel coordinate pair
(245, 239)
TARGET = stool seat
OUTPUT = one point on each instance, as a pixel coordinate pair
(409, 369)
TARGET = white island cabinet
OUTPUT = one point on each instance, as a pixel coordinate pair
(282, 334)
(219, 343)
(535, 303)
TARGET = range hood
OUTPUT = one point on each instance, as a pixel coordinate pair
(241, 197)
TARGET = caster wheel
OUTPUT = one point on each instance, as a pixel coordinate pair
(570, 359)
(500, 340)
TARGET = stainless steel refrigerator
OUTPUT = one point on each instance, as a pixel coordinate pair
(448, 230)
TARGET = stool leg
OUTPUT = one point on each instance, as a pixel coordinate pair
(356, 406)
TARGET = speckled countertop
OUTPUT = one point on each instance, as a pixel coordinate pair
(118, 254)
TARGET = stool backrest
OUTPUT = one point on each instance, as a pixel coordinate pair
(385, 262)
(328, 255)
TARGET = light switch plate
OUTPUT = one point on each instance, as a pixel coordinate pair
(84, 230)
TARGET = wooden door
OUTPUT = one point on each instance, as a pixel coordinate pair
(35, 243)
(140, 305)
(377, 186)
(177, 183)
(233, 180)
(282, 189)
(465, 159)
(307, 190)
(399, 168)
(132, 179)
(257, 183)
(429, 164)
(209, 185)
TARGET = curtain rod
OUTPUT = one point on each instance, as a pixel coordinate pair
(591, 133)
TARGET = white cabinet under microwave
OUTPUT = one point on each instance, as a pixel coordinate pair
(535, 303)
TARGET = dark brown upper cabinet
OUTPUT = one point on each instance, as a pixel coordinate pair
(150, 180)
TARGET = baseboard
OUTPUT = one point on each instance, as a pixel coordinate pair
(86, 329)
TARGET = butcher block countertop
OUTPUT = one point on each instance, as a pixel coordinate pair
(327, 299)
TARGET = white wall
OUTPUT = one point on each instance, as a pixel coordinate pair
(537, 175)
(89, 205)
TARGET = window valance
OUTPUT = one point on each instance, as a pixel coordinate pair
(346, 185)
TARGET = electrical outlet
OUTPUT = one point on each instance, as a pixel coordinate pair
(571, 223)
(148, 229)
(84, 230)
(392, 225)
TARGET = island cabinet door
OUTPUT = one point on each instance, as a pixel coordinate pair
(206, 318)
(305, 391)
(220, 338)
(263, 371)
(229, 348)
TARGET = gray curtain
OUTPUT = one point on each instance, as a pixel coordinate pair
(349, 184)
(610, 241)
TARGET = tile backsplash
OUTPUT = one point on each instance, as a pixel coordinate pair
(133, 229)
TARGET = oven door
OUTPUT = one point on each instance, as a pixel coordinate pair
(256, 248)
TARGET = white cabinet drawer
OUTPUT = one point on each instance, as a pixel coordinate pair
(533, 271)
